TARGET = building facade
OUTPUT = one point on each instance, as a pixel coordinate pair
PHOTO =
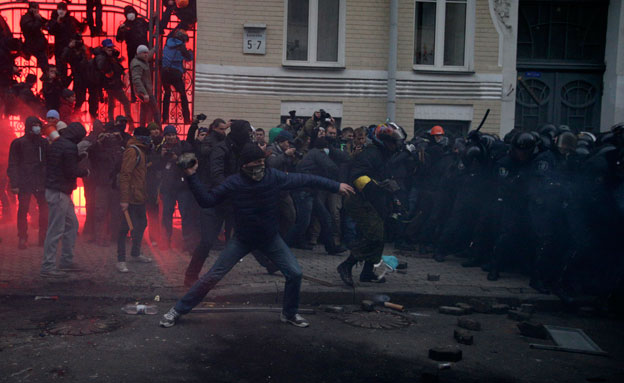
(418, 62)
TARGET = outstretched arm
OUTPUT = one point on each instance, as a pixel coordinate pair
(289, 181)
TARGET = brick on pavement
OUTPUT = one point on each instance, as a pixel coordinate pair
(19, 274)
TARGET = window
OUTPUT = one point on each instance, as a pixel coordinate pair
(444, 34)
(315, 33)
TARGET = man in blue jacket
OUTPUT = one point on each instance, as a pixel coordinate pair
(172, 72)
(255, 197)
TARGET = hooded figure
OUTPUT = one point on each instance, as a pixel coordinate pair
(26, 171)
(35, 42)
(133, 31)
(64, 27)
(62, 168)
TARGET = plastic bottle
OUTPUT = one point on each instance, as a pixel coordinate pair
(140, 309)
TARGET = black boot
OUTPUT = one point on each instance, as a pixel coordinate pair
(368, 275)
(344, 269)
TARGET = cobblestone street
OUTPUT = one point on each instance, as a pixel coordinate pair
(19, 275)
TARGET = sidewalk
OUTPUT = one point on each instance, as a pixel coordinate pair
(248, 282)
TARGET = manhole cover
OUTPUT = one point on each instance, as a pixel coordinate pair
(84, 326)
(375, 319)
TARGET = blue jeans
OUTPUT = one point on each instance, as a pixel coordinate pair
(308, 204)
(275, 249)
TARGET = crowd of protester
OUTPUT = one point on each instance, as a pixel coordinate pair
(547, 202)
(94, 74)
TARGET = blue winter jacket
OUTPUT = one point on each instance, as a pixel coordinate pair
(256, 204)
(174, 54)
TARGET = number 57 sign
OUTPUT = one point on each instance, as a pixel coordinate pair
(254, 39)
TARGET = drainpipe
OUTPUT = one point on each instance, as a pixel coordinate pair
(392, 60)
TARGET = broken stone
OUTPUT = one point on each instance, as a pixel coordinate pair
(480, 306)
(433, 277)
(450, 310)
(368, 305)
(500, 309)
(445, 354)
(533, 329)
(467, 308)
(469, 324)
(527, 308)
(518, 315)
(463, 337)
(333, 309)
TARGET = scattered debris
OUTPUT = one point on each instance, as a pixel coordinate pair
(368, 305)
(46, 298)
(433, 277)
(384, 300)
(469, 324)
(445, 354)
(467, 308)
(333, 309)
(527, 308)
(518, 315)
(402, 266)
(451, 310)
(569, 339)
(533, 330)
(480, 306)
(463, 336)
(500, 309)
(157, 298)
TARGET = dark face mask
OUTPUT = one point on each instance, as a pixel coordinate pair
(256, 173)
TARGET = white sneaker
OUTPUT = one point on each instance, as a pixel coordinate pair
(121, 267)
(141, 258)
(297, 320)
(169, 318)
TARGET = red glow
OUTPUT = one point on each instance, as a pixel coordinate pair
(112, 17)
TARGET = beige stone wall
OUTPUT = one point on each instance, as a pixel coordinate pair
(220, 34)
(367, 34)
(220, 31)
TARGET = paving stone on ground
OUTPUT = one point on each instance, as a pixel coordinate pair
(19, 274)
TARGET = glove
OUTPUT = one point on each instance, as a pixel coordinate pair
(389, 185)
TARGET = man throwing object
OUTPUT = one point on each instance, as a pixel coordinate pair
(255, 194)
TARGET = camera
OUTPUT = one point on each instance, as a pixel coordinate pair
(187, 160)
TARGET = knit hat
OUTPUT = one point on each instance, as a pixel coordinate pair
(284, 136)
(154, 126)
(60, 126)
(129, 9)
(141, 131)
(170, 129)
(142, 49)
(239, 132)
(53, 114)
(107, 43)
(251, 152)
(67, 93)
(273, 134)
(203, 130)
